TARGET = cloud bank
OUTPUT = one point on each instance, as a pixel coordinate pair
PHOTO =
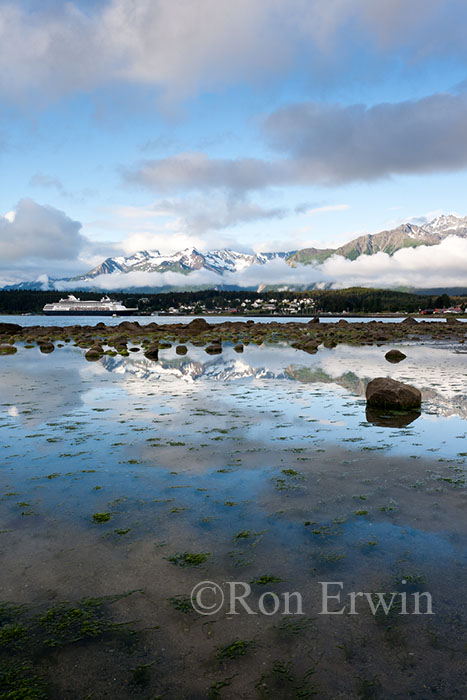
(181, 47)
(446, 262)
(37, 231)
(328, 144)
(336, 144)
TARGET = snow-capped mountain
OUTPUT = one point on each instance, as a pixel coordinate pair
(119, 264)
(450, 225)
(224, 260)
(404, 236)
(185, 261)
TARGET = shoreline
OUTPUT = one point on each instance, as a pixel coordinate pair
(302, 336)
(165, 314)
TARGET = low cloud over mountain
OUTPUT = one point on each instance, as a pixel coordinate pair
(395, 258)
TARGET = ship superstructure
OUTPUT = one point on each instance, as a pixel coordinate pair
(73, 306)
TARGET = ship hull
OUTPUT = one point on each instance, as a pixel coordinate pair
(126, 312)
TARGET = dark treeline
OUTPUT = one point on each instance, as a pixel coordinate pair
(353, 300)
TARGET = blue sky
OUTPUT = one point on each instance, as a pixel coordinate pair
(265, 125)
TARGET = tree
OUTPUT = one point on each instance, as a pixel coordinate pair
(443, 302)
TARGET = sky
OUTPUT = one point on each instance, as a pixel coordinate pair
(259, 125)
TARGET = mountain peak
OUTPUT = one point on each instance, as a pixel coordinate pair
(225, 261)
(447, 224)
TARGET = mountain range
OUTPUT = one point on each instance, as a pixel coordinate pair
(224, 260)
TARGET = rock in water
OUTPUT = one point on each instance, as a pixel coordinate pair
(152, 353)
(214, 349)
(94, 353)
(7, 349)
(10, 328)
(198, 324)
(238, 347)
(395, 356)
(181, 349)
(383, 392)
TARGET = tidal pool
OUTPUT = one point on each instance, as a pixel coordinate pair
(127, 482)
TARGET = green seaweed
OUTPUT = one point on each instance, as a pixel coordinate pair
(19, 682)
(189, 558)
(235, 649)
(13, 636)
(182, 603)
(265, 579)
(101, 517)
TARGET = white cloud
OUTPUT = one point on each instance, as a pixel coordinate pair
(197, 171)
(326, 144)
(37, 231)
(174, 224)
(326, 208)
(181, 47)
(335, 144)
(42, 180)
(425, 266)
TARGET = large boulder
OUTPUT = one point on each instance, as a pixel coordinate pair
(395, 356)
(198, 324)
(386, 393)
(131, 326)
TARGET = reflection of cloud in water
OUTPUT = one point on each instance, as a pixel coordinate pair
(436, 371)
(56, 379)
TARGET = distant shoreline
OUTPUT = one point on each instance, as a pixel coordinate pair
(395, 314)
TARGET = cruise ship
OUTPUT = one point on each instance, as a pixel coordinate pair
(73, 306)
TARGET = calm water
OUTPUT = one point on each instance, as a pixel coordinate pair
(40, 320)
(262, 467)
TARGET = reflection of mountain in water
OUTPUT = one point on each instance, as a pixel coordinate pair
(446, 405)
(316, 375)
(189, 370)
(437, 376)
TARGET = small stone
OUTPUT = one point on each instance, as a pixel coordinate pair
(395, 356)
(152, 353)
(7, 350)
